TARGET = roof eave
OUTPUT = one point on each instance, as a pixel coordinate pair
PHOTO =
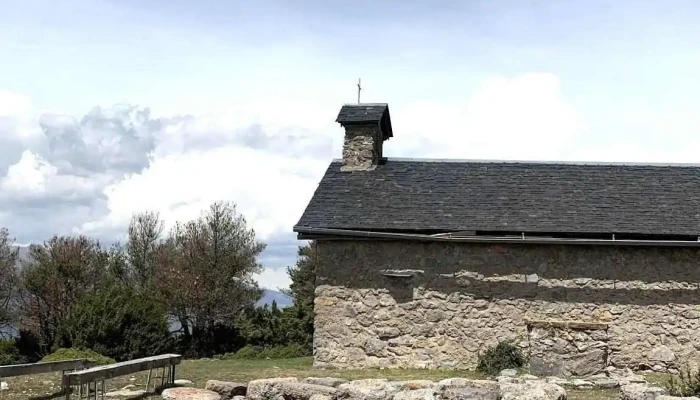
(308, 233)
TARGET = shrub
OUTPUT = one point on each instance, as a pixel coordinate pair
(687, 384)
(29, 346)
(218, 339)
(9, 353)
(20, 350)
(259, 353)
(289, 351)
(504, 356)
(247, 353)
(72, 354)
(119, 323)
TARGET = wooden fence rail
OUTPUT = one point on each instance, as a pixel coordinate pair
(86, 379)
(7, 371)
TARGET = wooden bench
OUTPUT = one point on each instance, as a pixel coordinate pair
(86, 379)
(7, 371)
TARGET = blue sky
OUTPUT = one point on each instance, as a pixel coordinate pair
(108, 107)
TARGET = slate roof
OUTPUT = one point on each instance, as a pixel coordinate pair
(422, 195)
(367, 112)
(362, 112)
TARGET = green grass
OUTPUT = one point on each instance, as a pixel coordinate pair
(199, 371)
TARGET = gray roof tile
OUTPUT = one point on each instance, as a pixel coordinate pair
(416, 195)
(362, 112)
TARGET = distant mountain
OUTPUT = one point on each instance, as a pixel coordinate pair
(272, 295)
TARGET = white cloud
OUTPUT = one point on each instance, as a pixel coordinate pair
(29, 176)
(267, 157)
(274, 278)
(270, 190)
(525, 117)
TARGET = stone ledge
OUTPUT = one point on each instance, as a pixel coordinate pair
(578, 325)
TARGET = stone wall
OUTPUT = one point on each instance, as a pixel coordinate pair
(559, 348)
(460, 298)
(362, 147)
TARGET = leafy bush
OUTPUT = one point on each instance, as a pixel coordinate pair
(687, 384)
(9, 353)
(291, 351)
(246, 353)
(29, 346)
(260, 353)
(72, 354)
(504, 356)
(24, 349)
(217, 339)
(118, 322)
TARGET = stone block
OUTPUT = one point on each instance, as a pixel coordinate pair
(586, 363)
(332, 382)
(188, 393)
(418, 394)
(640, 391)
(661, 353)
(263, 389)
(550, 365)
(227, 390)
(471, 393)
(532, 390)
(367, 389)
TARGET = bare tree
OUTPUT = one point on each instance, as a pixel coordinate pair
(8, 281)
(207, 267)
(145, 231)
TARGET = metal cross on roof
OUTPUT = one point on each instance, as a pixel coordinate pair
(359, 89)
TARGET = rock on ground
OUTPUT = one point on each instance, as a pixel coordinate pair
(126, 394)
(186, 393)
(272, 389)
(367, 389)
(532, 390)
(640, 391)
(332, 382)
(417, 394)
(305, 391)
(582, 384)
(664, 397)
(606, 383)
(509, 372)
(413, 384)
(4, 386)
(183, 382)
(262, 387)
(625, 376)
(471, 393)
(556, 380)
(320, 397)
(227, 390)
